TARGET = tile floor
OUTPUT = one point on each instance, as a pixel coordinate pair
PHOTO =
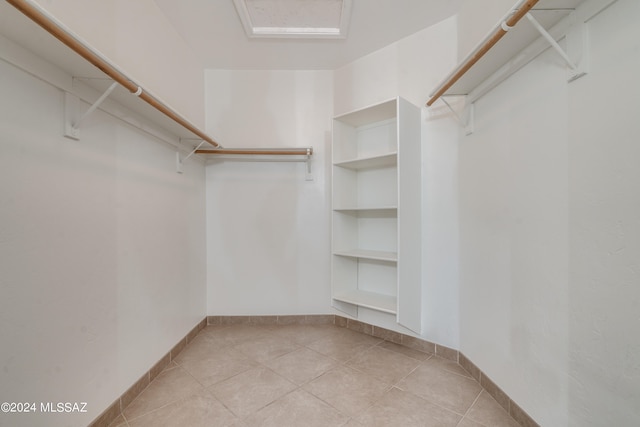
(309, 375)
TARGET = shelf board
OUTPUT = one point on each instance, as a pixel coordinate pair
(356, 209)
(372, 300)
(547, 12)
(372, 162)
(368, 254)
(371, 114)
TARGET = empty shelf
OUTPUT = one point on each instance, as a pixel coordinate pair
(370, 162)
(356, 209)
(368, 254)
(375, 301)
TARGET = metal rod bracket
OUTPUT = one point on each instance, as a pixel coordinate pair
(470, 120)
(453, 111)
(308, 175)
(576, 44)
(180, 161)
(466, 119)
(71, 112)
(71, 108)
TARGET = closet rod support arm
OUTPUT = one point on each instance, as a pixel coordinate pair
(466, 120)
(180, 161)
(454, 112)
(95, 105)
(551, 41)
(194, 150)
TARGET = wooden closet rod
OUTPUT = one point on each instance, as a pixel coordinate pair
(263, 151)
(65, 36)
(518, 13)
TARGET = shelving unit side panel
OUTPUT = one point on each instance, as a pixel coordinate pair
(409, 217)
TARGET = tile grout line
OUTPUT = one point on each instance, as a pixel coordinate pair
(345, 364)
(168, 403)
(116, 409)
(431, 401)
(512, 409)
(300, 387)
(339, 364)
(390, 386)
(469, 408)
(469, 377)
(396, 385)
(260, 365)
(153, 410)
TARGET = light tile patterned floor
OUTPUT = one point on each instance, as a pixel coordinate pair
(309, 375)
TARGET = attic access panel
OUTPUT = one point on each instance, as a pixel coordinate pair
(294, 18)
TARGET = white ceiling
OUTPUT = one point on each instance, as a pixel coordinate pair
(215, 32)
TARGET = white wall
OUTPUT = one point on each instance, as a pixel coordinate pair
(101, 251)
(267, 228)
(138, 38)
(550, 233)
(411, 68)
(476, 19)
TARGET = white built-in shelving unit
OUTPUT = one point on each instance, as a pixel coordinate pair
(376, 255)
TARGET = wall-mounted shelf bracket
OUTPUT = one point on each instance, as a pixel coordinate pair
(180, 160)
(71, 112)
(72, 103)
(308, 175)
(466, 118)
(453, 111)
(576, 44)
(470, 115)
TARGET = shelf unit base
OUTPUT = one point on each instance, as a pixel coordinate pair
(368, 254)
(366, 299)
